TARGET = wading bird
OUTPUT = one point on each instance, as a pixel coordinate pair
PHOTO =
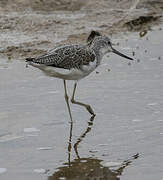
(74, 62)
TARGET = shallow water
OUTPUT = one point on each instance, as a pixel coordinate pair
(123, 141)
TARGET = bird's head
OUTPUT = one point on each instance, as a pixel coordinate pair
(104, 46)
(91, 36)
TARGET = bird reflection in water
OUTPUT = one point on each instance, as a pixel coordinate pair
(89, 168)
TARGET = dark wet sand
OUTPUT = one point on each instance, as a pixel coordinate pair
(127, 131)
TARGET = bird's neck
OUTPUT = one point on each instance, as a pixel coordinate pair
(100, 52)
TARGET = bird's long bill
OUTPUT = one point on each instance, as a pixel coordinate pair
(120, 54)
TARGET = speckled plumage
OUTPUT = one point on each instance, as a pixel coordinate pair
(67, 57)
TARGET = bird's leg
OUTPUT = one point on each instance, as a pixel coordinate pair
(67, 100)
(87, 106)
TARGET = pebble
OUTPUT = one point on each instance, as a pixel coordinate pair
(41, 171)
(111, 164)
(29, 130)
(44, 148)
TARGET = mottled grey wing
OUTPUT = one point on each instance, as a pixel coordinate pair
(67, 57)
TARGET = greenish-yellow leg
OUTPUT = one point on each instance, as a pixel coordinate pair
(67, 100)
(87, 106)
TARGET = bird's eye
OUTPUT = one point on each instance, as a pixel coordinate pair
(109, 43)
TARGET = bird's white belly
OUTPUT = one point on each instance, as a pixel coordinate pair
(72, 74)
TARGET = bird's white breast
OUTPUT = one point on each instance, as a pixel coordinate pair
(89, 68)
(72, 74)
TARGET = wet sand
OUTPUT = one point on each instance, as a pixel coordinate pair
(124, 139)
(30, 31)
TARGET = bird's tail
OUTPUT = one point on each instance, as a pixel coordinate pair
(29, 59)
